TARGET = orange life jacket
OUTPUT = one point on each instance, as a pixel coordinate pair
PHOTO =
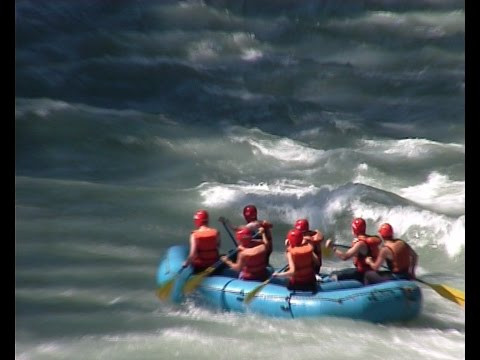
(304, 266)
(255, 266)
(373, 246)
(206, 246)
(401, 256)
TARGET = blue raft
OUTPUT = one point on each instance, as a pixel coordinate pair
(398, 300)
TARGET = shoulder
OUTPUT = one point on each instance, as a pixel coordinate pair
(360, 243)
(386, 250)
(374, 240)
(266, 224)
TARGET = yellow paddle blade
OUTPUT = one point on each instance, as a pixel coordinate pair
(459, 295)
(255, 291)
(327, 252)
(196, 280)
(164, 292)
(452, 294)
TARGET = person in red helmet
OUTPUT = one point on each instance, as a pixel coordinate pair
(302, 263)
(253, 224)
(363, 246)
(312, 237)
(204, 243)
(251, 259)
(401, 259)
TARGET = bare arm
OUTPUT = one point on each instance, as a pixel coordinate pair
(262, 231)
(237, 266)
(413, 262)
(193, 250)
(384, 254)
(355, 249)
(318, 236)
(314, 238)
(291, 268)
(316, 261)
(269, 234)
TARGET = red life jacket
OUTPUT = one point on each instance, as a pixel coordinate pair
(255, 266)
(401, 256)
(206, 246)
(304, 266)
(373, 246)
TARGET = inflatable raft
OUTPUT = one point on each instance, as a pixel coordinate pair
(397, 300)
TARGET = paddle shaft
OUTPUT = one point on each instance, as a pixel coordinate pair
(196, 279)
(279, 271)
(229, 233)
(231, 236)
(252, 293)
(341, 246)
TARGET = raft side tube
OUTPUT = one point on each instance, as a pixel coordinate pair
(170, 265)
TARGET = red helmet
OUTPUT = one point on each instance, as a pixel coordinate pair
(295, 237)
(386, 231)
(250, 213)
(200, 218)
(302, 225)
(244, 236)
(359, 227)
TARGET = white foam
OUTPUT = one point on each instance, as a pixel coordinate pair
(203, 50)
(285, 202)
(418, 24)
(410, 148)
(251, 54)
(40, 107)
(215, 194)
(438, 192)
(285, 150)
(422, 228)
(218, 195)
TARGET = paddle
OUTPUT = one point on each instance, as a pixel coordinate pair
(164, 291)
(449, 293)
(197, 279)
(327, 251)
(445, 291)
(222, 220)
(255, 291)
